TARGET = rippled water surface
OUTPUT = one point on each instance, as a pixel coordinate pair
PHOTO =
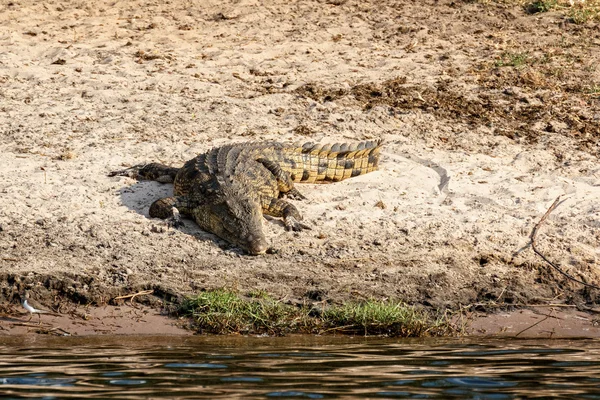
(300, 367)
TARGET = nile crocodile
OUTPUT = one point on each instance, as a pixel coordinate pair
(228, 189)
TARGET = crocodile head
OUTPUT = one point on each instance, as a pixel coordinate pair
(237, 220)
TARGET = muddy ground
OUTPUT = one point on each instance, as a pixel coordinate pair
(503, 102)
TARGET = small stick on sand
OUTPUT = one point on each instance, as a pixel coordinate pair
(529, 327)
(503, 305)
(336, 328)
(533, 235)
(134, 295)
(551, 305)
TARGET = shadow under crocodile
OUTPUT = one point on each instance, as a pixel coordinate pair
(139, 196)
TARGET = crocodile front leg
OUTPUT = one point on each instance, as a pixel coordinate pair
(283, 209)
(167, 209)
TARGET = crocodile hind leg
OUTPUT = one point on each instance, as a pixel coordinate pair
(283, 209)
(167, 209)
(285, 184)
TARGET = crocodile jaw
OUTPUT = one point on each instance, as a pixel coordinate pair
(257, 245)
(249, 237)
(237, 220)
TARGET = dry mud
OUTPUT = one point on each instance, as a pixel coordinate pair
(503, 103)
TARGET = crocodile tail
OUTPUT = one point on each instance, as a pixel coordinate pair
(335, 162)
(158, 172)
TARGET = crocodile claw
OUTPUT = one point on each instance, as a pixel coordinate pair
(292, 224)
(295, 194)
(175, 221)
(131, 172)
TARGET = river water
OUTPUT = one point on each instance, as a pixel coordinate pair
(297, 367)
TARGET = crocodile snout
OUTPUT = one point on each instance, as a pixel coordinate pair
(257, 246)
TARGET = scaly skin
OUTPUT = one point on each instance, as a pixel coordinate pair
(228, 189)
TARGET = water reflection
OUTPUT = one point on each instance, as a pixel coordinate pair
(303, 367)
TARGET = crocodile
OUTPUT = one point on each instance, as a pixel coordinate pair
(228, 189)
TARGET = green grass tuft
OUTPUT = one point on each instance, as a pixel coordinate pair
(578, 11)
(384, 318)
(222, 311)
(516, 60)
(582, 13)
(593, 91)
(541, 6)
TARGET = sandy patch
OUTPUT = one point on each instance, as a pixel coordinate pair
(545, 322)
(87, 89)
(86, 321)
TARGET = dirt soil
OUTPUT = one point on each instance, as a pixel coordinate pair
(504, 103)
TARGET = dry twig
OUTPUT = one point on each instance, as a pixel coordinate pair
(531, 326)
(336, 328)
(28, 324)
(533, 235)
(134, 295)
(553, 305)
(539, 322)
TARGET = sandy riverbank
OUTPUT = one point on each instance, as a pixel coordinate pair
(502, 102)
(127, 319)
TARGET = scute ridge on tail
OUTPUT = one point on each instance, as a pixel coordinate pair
(324, 163)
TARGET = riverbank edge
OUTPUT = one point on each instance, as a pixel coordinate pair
(141, 313)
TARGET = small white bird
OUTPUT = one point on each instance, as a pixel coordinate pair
(32, 307)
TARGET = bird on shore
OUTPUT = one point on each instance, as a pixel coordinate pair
(32, 307)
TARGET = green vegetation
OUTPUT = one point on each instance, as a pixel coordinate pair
(223, 311)
(594, 91)
(513, 60)
(385, 318)
(578, 11)
(580, 14)
(541, 6)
